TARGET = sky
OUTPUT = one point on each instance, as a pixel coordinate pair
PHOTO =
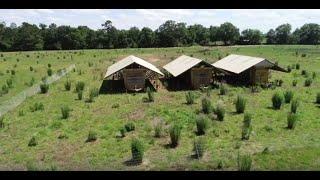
(262, 19)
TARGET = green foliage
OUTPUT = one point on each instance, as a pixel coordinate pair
(244, 162)
(116, 105)
(318, 98)
(137, 150)
(199, 147)
(92, 136)
(206, 105)
(49, 65)
(31, 68)
(150, 95)
(13, 72)
(32, 142)
(37, 107)
(294, 105)
(289, 68)
(223, 90)
(246, 128)
(80, 86)
(294, 82)
(9, 83)
(175, 134)
(129, 126)
(65, 111)
(308, 82)
(277, 100)
(190, 97)
(94, 92)
(288, 95)
(123, 131)
(49, 72)
(158, 130)
(292, 120)
(220, 112)
(44, 88)
(67, 85)
(4, 89)
(80, 95)
(202, 125)
(1, 122)
(314, 75)
(240, 104)
(297, 66)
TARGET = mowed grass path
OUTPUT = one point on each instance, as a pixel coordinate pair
(296, 149)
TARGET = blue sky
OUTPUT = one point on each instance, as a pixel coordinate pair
(262, 19)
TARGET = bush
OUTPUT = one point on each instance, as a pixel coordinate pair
(1, 122)
(4, 89)
(190, 97)
(292, 120)
(240, 104)
(158, 130)
(308, 82)
(49, 72)
(199, 147)
(49, 65)
(288, 95)
(202, 125)
(44, 87)
(32, 142)
(80, 86)
(298, 66)
(80, 95)
(314, 75)
(9, 83)
(246, 128)
(289, 68)
(223, 90)
(150, 95)
(13, 72)
(206, 105)
(303, 72)
(129, 126)
(137, 151)
(92, 136)
(123, 132)
(277, 100)
(37, 107)
(318, 98)
(67, 85)
(294, 82)
(175, 134)
(65, 111)
(244, 162)
(31, 68)
(220, 112)
(294, 105)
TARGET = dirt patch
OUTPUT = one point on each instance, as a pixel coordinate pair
(137, 114)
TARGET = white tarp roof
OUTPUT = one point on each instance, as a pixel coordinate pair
(239, 63)
(128, 61)
(181, 64)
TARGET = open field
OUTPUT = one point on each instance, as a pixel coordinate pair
(62, 142)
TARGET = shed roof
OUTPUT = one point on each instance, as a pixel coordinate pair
(128, 61)
(239, 63)
(182, 64)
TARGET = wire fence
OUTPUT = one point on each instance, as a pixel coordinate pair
(19, 98)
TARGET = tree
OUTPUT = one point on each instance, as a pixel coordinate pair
(251, 36)
(228, 33)
(213, 33)
(271, 37)
(28, 38)
(309, 34)
(133, 37)
(283, 34)
(146, 38)
(201, 34)
(166, 34)
(111, 34)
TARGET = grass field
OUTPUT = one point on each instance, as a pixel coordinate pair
(62, 142)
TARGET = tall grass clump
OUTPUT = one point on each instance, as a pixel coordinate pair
(289, 68)
(202, 125)
(308, 82)
(298, 66)
(220, 112)
(67, 85)
(32, 142)
(294, 105)
(190, 97)
(175, 134)
(318, 98)
(1, 122)
(9, 83)
(92, 94)
(292, 120)
(129, 126)
(137, 151)
(150, 95)
(206, 105)
(288, 95)
(49, 72)
(80, 95)
(244, 162)
(44, 88)
(80, 86)
(65, 111)
(37, 107)
(277, 100)
(199, 147)
(246, 128)
(158, 130)
(294, 82)
(240, 104)
(223, 90)
(92, 136)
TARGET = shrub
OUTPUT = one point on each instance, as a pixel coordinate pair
(37, 107)
(116, 105)
(308, 82)
(206, 105)
(246, 128)
(9, 83)
(298, 66)
(49, 65)
(44, 87)
(289, 68)
(294, 82)
(175, 133)
(303, 55)
(92, 136)
(292, 120)
(294, 105)
(318, 98)
(1, 122)
(4, 89)
(244, 162)
(199, 147)
(190, 97)
(277, 100)
(65, 111)
(240, 104)
(150, 95)
(288, 95)
(67, 85)
(80, 86)
(303, 72)
(31, 68)
(49, 72)
(129, 126)
(92, 94)
(158, 130)
(32, 142)
(123, 132)
(220, 112)
(13, 72)
(202, 125)
(80, 95)
(137, 151)
(314, 75)
(280, 82)
(223, 90)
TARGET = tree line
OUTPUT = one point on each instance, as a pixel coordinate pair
(28, 37)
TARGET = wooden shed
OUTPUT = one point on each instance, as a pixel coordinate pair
(134, 72)
(246, 69)
(189, 73)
